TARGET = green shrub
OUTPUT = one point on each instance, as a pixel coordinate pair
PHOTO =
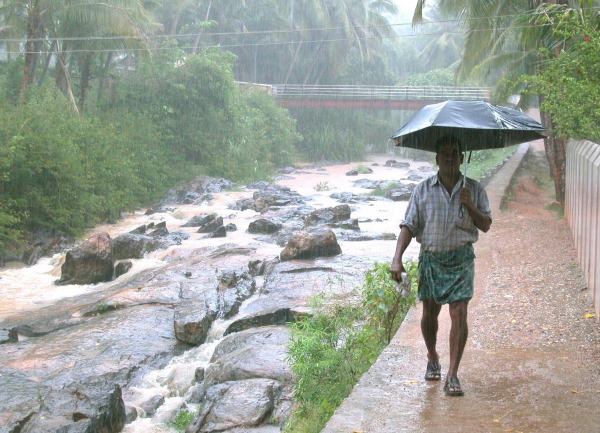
(330, 350)
(183, 420)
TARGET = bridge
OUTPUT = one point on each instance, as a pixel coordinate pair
(373, 97)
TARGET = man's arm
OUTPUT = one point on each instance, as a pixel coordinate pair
(397, 267)
(481, 220)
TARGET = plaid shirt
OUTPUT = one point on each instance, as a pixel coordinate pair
(435, 219)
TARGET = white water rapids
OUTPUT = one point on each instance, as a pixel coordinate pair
(31, 289)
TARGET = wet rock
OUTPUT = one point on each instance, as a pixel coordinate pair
(401, 193)
(308, 244)
(271, 197)
(211, 223)
(348, 197)
(286, 170)
(196, 191)
(351, 224)
(152, 404)
(233, 289)
(131, 414)
(352, 172)
(264, 226)
(275, 316)
(192, 322)
(123, 267)
(361, 237)
(200, 220)
(261, 336)
(262, 267)
(8, 336)
(137, 245)
(367, 183)
(219, 232)
(250, 362)
(74, 409)
(396, 164)
(246, 403)
(328, 215)
(415, 178)
(90, 263)
(159, 230)
(42, 243)
(261, 184)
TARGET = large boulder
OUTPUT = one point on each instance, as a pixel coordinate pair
(246, 403)
(309, 244)
(250, 362)
(265, 226)
(139, 242)
(90, 263)
(270, 197)
(193, 321)
(328, 215)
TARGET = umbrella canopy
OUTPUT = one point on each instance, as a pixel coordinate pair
(478, 125)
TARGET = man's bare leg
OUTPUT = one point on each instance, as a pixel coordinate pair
(459, 331)
(429, 327)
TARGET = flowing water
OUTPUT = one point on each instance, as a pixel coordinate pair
(30, 290)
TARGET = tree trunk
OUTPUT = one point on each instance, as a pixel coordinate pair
(84, 81)
(47, 62)
(200, 31)
(30, 52)
(293, 62)
(103, 77)
(557, 158)
(63, 80)
(315, 58)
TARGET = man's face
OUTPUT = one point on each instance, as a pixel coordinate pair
(449, 158)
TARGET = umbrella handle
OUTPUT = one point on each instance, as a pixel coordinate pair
(461, 211)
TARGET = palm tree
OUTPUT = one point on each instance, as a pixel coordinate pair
(74, 28)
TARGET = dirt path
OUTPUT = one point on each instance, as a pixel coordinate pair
(537, 294)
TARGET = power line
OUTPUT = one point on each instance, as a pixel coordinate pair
(261, 44)
(264, 32)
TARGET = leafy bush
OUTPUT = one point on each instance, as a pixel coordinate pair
(204, 118)
(330, 350)
(66, 173)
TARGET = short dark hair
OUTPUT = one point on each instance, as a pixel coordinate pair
(448, 139)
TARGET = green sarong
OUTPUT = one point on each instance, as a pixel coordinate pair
(447, 276)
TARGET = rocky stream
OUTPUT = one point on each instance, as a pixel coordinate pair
(187, 305)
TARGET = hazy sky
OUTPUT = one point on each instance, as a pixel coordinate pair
(406, 8)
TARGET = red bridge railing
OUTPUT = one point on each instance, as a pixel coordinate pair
(385, 97)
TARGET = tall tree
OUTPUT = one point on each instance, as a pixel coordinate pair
(74, 27)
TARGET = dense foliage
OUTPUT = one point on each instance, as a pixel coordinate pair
(170, 121)
(330, 350)
(570, 81)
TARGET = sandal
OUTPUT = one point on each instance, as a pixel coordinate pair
(452, 387)
(434, 371)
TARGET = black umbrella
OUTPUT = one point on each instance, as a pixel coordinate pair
(477, 124)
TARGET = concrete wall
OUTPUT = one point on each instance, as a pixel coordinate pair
(582, 209)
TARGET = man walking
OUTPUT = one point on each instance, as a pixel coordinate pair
(444, 214)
